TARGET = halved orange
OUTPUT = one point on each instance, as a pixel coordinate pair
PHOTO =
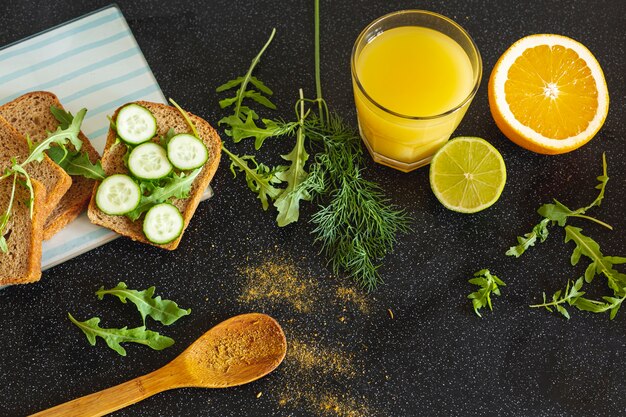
(547, 93)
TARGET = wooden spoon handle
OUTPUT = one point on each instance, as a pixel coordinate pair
(119, 396)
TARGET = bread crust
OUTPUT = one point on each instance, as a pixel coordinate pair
(24, 268)
(112, 163)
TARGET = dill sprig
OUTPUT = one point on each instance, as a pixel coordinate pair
(358, 226)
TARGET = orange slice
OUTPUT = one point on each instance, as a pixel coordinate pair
(547, 93)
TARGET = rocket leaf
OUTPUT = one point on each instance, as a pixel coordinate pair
(113, 337)
(60, 136)
(540, 231)
(76, 163)
(177, 186)
(489, 284)
(260, 179)
(600, 264)
(164, 311)
(288, 202)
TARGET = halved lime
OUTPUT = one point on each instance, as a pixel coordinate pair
(467, 174)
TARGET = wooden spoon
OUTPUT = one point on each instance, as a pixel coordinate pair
(239, 350)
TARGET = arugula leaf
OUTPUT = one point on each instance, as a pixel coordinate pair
(573, 296)
(288, 202)
(177, 186)
(611, 304)
(243, 117)
(489, 284)
(63, 117)
(570, 296)
(248, 129)
(540, 232)
(237, 81)
(163, 311)
(59, 137)
(165, 139)
(558, 213)
(600, 264)
(76, 163)
(113, 337)
(260, 179)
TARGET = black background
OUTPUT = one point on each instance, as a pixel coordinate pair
(436, 357)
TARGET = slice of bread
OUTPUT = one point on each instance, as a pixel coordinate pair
(22, 263)
(113, 163)
(30, 115)
(52, 176)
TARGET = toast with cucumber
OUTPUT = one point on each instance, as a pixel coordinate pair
(158, 161)
(31, 114)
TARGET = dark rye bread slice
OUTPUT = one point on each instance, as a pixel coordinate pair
(30, 114)
(113, 163)
(22, 263)
(52, 176)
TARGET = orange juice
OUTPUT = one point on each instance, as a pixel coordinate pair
(412, 86)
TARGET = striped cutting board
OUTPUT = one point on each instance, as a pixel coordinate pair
(94, 62)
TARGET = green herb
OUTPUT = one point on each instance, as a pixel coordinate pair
(76, 163)
(288, 202)
(559, 213)
(249, 129)
(163, 311)
(261, 179)
(242, 122)
(489, 284)
(62, 136)
(355, 224)
(192, 126)
(165, 139)
(574, 297)
(113, 337)
(176, 186)
(59, 137)
(540, 232)
(571, 294)
(600, 264)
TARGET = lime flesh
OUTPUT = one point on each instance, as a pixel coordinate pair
(467, 174)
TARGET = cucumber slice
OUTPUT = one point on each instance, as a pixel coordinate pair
(149, 161)
(118, 194)
(163, 223)
(135, 124)
(186, 152)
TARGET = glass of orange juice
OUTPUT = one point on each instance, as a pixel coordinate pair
(414, 74)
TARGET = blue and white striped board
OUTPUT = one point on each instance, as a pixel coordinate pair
(93, 62)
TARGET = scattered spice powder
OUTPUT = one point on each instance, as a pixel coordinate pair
(307, 356)
(341, 406)
(355, 297)
(275, 281)
(320, 378)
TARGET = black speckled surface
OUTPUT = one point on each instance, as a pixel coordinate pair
(435, 357)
